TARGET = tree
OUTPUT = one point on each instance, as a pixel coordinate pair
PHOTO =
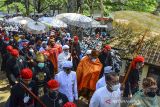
(56, 4)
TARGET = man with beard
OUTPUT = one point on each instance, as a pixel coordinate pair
(41, 74)
(105, 58)
(64, 56)
(14, 66)
(68, 81)
(53, 98)
(19, 96)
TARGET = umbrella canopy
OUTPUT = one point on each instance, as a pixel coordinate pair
(20, 20)
(52, 21)
(36, 28)
(1, 19)
(77, 20)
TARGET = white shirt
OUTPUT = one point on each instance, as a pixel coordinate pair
(61, 58)
(101, 83)
(103, 98)
(68, 84)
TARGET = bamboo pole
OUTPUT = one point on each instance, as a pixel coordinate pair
(33, 95)
(134, 55)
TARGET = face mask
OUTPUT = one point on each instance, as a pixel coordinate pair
(93, 59)
(31, 50)
(47, 38)
(40, 65)
(11, 39)
(53, 94)
(7, 42)
(66, 52)
(151, 94)
(115, 87)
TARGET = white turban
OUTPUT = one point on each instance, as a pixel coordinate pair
(67, 64)
(65, 47)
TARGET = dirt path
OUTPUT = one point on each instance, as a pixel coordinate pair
(4, 89)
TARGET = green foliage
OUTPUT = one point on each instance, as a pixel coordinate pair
(141, 5)
(88, 6)
(136, 5)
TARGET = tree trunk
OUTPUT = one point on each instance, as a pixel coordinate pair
(102, 10)
(39, 6)
(27, 7)
(79, 6)
(91, 8)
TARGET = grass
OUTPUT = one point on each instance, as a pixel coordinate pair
(139, 21)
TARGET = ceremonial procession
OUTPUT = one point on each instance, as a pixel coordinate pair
(79, 53)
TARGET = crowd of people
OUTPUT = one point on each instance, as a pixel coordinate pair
(60, 70)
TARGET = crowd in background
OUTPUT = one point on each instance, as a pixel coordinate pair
(60, 69)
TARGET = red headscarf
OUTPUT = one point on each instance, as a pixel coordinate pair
(137, 59)
(69, 104)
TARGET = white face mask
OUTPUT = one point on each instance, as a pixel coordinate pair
(31, 50)
(93, 60)
(115, 87)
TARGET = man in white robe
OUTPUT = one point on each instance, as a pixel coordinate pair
(68, 81)
(64, 56)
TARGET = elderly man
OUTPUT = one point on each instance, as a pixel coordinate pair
(108, 96)
(64, 56)
(87, 74)
(68, 81)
